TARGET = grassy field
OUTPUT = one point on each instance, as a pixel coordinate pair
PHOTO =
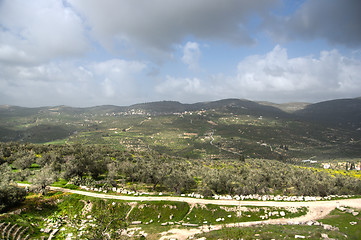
(272, 232)
(85, 217)
(81, 216)
(213, 214)
(343, 221)
(336, 218)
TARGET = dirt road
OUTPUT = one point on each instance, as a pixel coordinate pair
(317, 209)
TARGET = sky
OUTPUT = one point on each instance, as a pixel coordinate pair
(84, 53)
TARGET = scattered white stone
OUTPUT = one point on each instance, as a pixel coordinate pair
(136, 222)
(329, 227)
(299, 236)
(190, 224)
(324, 235)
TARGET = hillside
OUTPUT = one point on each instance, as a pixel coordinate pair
(226, 128)
(343, 113)
(287, 107)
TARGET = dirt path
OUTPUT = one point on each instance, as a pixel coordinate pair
(355, 203)
(317, 209)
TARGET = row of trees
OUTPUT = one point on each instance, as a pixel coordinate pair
(93, 165)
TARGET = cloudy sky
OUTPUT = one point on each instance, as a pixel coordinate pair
(91, 52)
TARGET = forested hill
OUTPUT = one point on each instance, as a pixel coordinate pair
(344, 113)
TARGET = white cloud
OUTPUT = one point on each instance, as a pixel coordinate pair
(275, 76)
(37, 31)
(110, 82)
(45, 44)
(191, 55)
(181, 89)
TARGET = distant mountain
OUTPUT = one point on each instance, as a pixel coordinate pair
(15, 111)
(287, 107)
(343, 113)
(246, 107)
(162, 107)
(236, 106)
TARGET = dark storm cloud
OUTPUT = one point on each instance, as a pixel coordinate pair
(337, 21)
(157, 25)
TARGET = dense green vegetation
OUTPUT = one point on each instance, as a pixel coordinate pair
(10, 194)
(101, 166)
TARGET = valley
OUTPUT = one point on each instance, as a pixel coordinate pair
(237, 126)
(187, 163)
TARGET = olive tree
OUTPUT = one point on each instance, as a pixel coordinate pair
(44, 178)
(10, 194)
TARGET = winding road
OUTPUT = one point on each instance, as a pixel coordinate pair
(223, 149)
